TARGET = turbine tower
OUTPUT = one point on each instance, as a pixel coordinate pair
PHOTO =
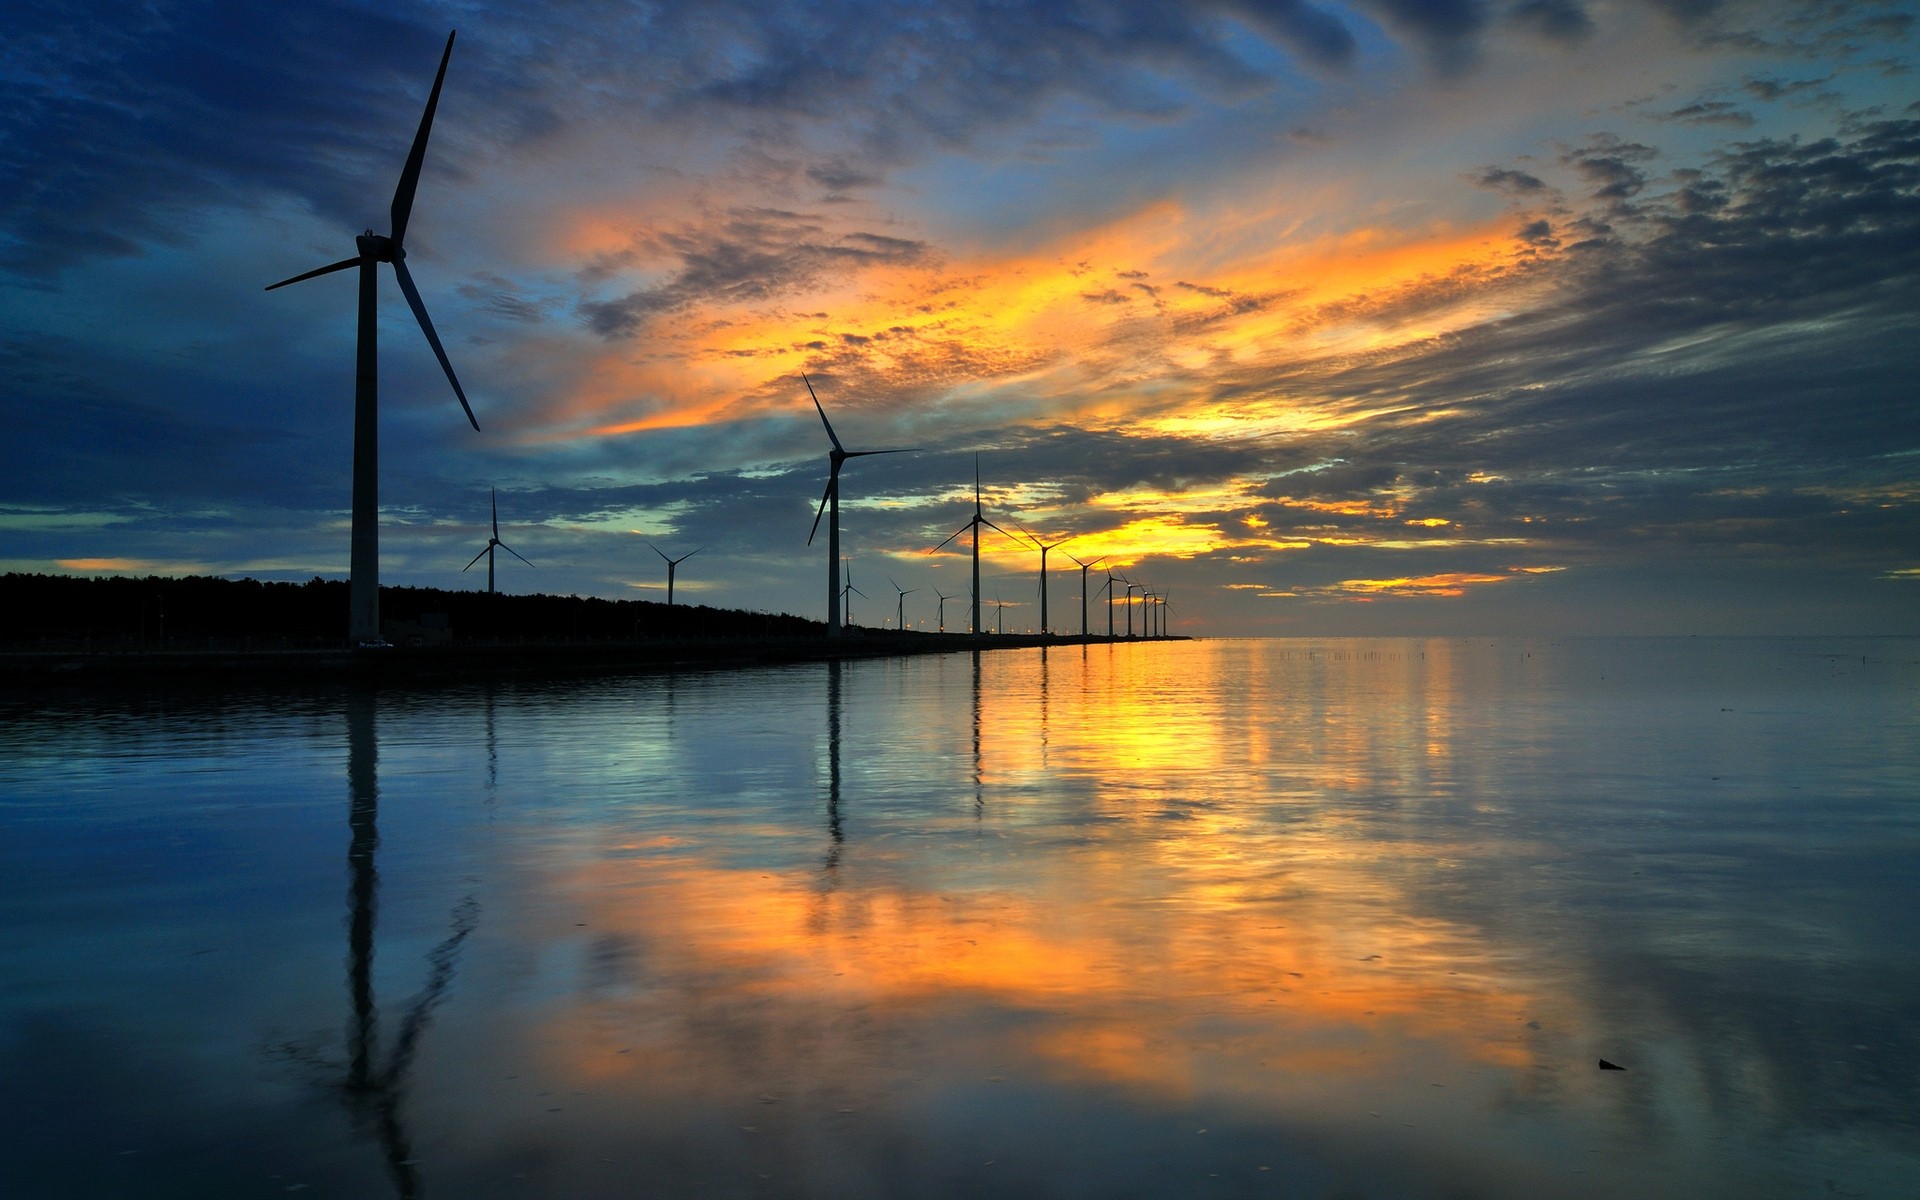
(1045, 629)
(363, 572)
(974, 523)
(672, 565)
(491, 543)
(901, 619)
(1084, 568)
(943, 608)
(848, 592)
(830, 500)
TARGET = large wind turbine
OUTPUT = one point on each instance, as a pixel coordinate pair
(1084, 568)
(1043, 547)
(672, 565)
(974, 523)
(491, 543)
(363, 572)
(830, 500)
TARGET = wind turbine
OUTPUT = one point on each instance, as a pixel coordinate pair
(974, 523)
(672, 564)
(1045, 629)
(830, 500)
(999, 611)
(491, 543)
(363, 571)
(1084, 568)
(848, 592)
(943, 608)
(901, 619)
(1148, 599)
(1131, 585)
(1108, 589)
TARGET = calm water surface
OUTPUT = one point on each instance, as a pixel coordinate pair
(1288, 918)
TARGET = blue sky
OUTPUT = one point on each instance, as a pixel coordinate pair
(1389, 317)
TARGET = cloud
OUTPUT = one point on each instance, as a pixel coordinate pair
(747, 256)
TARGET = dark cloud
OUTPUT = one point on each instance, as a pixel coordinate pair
(1612, 166)
(1447, 31)
(748, 256)
(1711, 112)
(1777, 89)
(1561, 20)
(1510, 181)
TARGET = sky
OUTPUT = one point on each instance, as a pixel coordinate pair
(1398, 317)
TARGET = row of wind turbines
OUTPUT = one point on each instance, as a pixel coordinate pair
(363, 585)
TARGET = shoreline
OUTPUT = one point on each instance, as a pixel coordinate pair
(536, 660)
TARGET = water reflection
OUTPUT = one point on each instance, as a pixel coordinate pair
(375, 1091)
(1363, 914)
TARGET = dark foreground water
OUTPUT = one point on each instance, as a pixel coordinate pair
(1274, 919)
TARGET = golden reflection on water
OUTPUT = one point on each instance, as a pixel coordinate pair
(1176, 883)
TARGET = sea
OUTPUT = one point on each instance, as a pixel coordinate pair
(1331, 919)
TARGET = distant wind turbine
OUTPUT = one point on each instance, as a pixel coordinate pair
(974, 523)
(830, 502)
(848, 592)
(900, 621)
(1043, 547)
(999, 611)
(1084, 568)
(943, 608)
(491, 543)
(672, 565)
(363, 577)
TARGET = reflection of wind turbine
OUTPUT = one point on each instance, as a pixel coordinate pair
(1043, 547)
(848, 592)
(901, 619)
(374, 1094)
(1084, 568)
(943, 608)
(672, 565)
(363, 577)
(491, 543)
(974, 523)
(830, 503)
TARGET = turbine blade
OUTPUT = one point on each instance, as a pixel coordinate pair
(956, 533)
(658, 550)
(816, 512)
(342, 265)
(864, 453)
(410, 174)
(496, 513)
(831, 436)
(433, 339)
(689, 554)
(512, 551)
(477, 557)
(991, 525)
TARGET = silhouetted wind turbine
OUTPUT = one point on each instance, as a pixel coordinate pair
(1108, 589)
(999, 611)
(848, 592)
(974, 523)
(1130, 589)
(830, 500)
(1084, 568)
(363, 572)
(901, 619)
(672, 565)
(943, 608)
(1045, 628)
(491, 543)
